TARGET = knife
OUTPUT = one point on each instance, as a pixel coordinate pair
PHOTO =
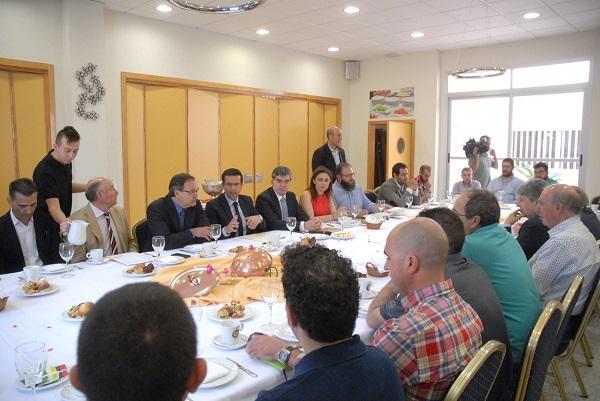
(243, 368)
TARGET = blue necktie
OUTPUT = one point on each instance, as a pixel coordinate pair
(181, 219)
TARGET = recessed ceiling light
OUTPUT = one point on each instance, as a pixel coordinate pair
(417, 34)
(262, 31)
(164, 8)
(351, 10)
(531, 15)
(333, 49)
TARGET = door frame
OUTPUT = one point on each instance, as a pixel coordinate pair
(371, 147)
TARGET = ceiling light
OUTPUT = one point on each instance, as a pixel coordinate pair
(417, 34)
(189, 5)
(333, 49)
(164, 8)
(531, 15)
(262, 31)
(351, 10)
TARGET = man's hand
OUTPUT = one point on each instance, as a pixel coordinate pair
(515, 229)
(412, 184)
(264, 347)
(253, 221)
(232, 226)
(513, 217)
(64, 227)
(493, 153)
(312, 224)
(202, 232)
(364, 212)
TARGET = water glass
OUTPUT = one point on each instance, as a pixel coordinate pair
(269, 291)
(198, 315)
(158, 244)
(342, 217)
(66, 250)
(409, 200)
(355, 211)
(381, 205)
(290, 223)
(215, 232)
(30, 362)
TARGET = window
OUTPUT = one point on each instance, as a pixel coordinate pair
(550, 75)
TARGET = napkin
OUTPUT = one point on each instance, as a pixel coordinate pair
(215, 371)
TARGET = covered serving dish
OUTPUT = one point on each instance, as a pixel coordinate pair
(252, 262)
(196, 281)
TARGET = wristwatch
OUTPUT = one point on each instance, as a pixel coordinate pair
(284, 355)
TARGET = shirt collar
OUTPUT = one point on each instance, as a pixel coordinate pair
(97, 212)
(563, 225)
(331, 149)
(230, 201)
(331, 355)
(17, 221)
(420, 295)
(178, 208)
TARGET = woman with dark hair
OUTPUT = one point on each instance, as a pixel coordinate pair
(317, 200)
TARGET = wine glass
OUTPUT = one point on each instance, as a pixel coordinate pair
(355, 210)
(290, 222)
(158, 244)
(408, 199)
(66, 250)
(342, 217)
(30, 362)
(269, 291)
(381, 205)
(500, 196)
(198, 314)
(430, 197)
(215, 232)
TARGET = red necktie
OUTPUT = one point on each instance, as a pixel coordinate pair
(111, 236)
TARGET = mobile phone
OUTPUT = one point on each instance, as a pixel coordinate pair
(183, 255)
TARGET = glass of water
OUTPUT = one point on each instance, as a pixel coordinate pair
(215, 232)
(409, 200)
(381, 205)
(66, 250)
(290, 223)
(30, 362)
(158, 244)
(269, 291)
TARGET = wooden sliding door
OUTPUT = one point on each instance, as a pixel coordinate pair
(293, 141)
(266, 141)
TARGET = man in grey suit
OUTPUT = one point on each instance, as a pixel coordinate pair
(395, 190)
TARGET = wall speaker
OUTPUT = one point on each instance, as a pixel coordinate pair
(352, 70)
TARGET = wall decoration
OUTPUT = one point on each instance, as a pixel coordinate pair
(93, 91)
(391, 104)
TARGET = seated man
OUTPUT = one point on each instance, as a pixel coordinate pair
(347, 194)
(179, 216)
(108, 228)
(507, 184)
(138, 343)
(423, 183)
(26, 240)
(395, 189)
(467, 183)
(321, 295)
(276, 204)
(234, 212)
(501, 257)
(570, 251)
(540, 170)
(437, 333)
(587, 215)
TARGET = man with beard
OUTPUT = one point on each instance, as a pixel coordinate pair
(423, 182)
(347, 194)
(481, 162)
(540, 170)
(395, 190)
(506, 186)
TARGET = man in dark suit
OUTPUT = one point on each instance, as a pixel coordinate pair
(179, 216)
(25, 241)
(276, 204)
(234, 212)
(330, 154)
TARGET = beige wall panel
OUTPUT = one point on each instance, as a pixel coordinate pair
(236, 120)
(7, 160)
(134, 155)
(398, 130)
(30, 119)
(166, 137)
(203, 136)
(315, 132)
(293, 141)
(330, 118)
(266, 143)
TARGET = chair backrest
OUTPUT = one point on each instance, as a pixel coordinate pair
(588, 309)
(475, 381)
(568, 304)
(538, 354)
(140, 234)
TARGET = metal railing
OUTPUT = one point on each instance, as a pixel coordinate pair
(558, 148)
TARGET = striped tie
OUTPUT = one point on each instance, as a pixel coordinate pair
(111, 236)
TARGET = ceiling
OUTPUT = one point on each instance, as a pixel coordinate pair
(382, 27)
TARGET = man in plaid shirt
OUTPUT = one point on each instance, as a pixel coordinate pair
(438, 333)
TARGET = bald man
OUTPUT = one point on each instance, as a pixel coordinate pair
(330, 154)
(438, 333)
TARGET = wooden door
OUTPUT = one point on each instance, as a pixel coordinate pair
(134, 151)
(316, 132)
(266, 141)
(400, 145)
(293, 141)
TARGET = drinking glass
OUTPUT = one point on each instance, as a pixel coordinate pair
(290, 222)
(269, 291)
(409, 200)
(30, 362)
(355, 211)
(381, 205)
(198, 314)
(342, 217)
(158, 244)
(65, 250)
(431, 197)
(215, 232)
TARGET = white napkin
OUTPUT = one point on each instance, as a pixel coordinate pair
(133, 258)
(215, 371)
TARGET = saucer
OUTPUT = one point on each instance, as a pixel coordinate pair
(369, 295)
(240, 342)
(286, 334)
(90, 262)
(68, 393)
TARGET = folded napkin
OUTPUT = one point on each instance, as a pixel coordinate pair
(215, 371)
(51, 375)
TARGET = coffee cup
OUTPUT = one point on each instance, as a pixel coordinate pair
(275, 238)
(230, 331)
(364, 285)
(95, 255)
(32, 273)
(208, 249)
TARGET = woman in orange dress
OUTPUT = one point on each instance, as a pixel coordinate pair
(317, 200)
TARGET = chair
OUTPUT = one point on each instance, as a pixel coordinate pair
(476, 380)
(568, 303)
(538, 353)
(141, 235)
(588, 309)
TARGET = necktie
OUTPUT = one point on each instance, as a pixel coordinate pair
(181, 219)
(284, 211)
(242, 228)
(111, 236)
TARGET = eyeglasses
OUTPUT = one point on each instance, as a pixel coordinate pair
(190, 191)
(347, 175)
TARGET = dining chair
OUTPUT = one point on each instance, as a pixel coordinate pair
(141, 235)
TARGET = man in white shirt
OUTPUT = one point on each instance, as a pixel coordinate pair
(467, 183)
(25, 242)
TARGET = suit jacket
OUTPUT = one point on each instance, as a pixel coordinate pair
(163, 220)
(219, 212)
(11, 255)
(390, 192)
(267, 205)
(590, 220)
(94, 237)
(532, 236)
(323, 157)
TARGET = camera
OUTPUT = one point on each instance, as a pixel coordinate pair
(482, 147)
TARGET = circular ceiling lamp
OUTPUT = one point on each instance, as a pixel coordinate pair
(478, 72)
(218, 9)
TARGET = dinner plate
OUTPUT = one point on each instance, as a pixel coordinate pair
(368, 294)
(68, 393)
(194, 247)
(342, 235)
(216, 253)
(19, 384)
(240, 342)
(53, 288)
(65, 316)
(170, 260)
(224, 363)
(152, 273)
(270, 248)
(212, 314)
(286, 334)
(55, 268)
(90, 262)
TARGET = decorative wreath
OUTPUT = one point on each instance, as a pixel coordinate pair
(92, 92)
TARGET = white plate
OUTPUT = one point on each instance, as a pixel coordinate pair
(68, 393)
(152, 273)
(19, 384)
(286, 334)
(53, 288)
(170, 260)
(89, 262)
(369, 294)
(317, 236)
(240, 342)
(212, 314)
(194, 248)
(65, 316)
(416, 207)
(217, 252)
(434, 204)
(398, 217)
(227, 364)
(337, 234)
(270, 248)
(53, 269)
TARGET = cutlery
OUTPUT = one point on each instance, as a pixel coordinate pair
(243, 368)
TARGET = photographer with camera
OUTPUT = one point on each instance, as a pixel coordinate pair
(479, 159)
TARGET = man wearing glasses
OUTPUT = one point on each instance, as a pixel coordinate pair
(347, 194)
(179, 216)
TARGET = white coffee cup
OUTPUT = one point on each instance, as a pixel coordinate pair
(95, 255)
(208, 249)
(32, 273)
(230, 331)
(364, 285)
(275, 238)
